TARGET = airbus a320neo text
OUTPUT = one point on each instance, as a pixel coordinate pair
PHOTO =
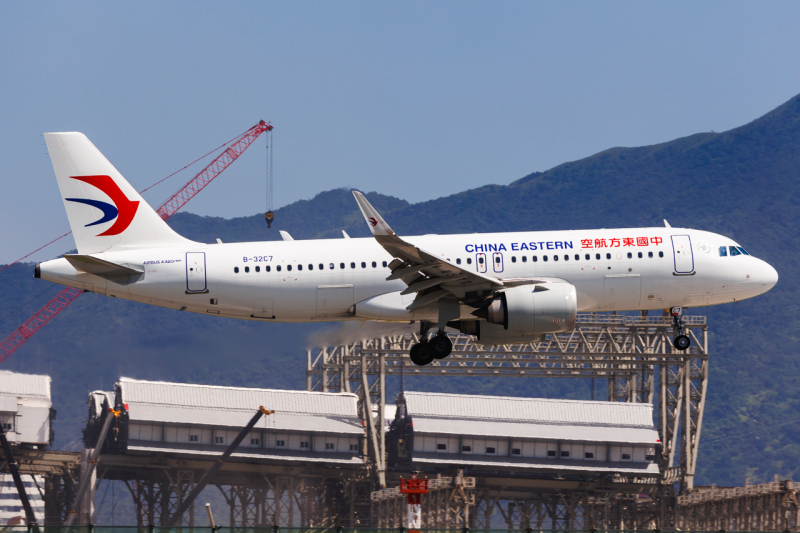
(503, 288)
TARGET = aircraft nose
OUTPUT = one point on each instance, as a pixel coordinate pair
(769, 277)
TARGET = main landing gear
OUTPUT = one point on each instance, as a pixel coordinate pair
(425, 351)
(680, 341)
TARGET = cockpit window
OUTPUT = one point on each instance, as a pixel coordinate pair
(742, 250)
(723, 251)
(734, 251)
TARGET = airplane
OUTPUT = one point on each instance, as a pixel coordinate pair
(503, 288)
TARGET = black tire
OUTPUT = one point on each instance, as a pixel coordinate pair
(420, 354)
(682, 342)
(440, 346)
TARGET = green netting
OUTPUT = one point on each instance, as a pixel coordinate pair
(159, 529)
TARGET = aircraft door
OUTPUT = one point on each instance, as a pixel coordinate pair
(480, 262)
(334, 300)
(682, 252)
(196, 272)
(497, 261)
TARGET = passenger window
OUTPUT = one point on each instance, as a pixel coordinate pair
(497, 259)
(534, 258)
(322, 267)
(247, 269)
(341, 265)
(469, 260)
(630, 255)
(723, 251)
(513, 258)
(235, 270)
(289, 268)
(258, 269)
(458, 260)
(299, 267)
(566, 257)
(544, 258)
(384, 264)
(660, 254)
(374, 264)
(278, 268)
(480, 260)
(331, 266)
(650, 255)
(588, 257)
(310, 266)
(597, 256)
(352, 265)
(363, 264)
(608, 256)
(734, 251)
(267, 268)
(524, 258)
(555, 258)
(640, 255)
(577, 257)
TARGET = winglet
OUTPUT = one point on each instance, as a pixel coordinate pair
(374, 220)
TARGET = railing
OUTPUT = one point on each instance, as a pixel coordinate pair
(268, 529)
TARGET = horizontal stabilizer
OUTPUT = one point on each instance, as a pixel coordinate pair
(106, 269)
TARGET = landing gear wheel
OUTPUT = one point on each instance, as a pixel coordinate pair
(421, 354)
(440, 346)
(681, 342)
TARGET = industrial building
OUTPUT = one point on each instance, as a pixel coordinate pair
(26, 409)
(11, 511)
(202, 420)
(522, 434)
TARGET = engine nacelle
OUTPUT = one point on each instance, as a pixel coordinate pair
(535, 309)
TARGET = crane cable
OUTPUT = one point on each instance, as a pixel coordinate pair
(269, 216)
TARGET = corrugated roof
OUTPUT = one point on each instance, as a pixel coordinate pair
(528, 410)
(182, 403)
(24, 385)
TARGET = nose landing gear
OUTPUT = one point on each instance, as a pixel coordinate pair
(425, 351)
(680, 341)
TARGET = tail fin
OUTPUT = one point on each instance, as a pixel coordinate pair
(105, 212)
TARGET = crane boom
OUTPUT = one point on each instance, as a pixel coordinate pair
(167, 209)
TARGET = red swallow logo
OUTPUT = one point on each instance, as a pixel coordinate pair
(123, 209)
(373, 222)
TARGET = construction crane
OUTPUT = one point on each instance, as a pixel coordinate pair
(166, 210)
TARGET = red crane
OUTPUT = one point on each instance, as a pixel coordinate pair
(166, 210)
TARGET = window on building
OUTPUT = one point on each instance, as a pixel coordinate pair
(490, 450)
(588, 455)
(329, 446)
(564, 453)
(7, 427)
(441, 446)
(516, 451)
(254, 442)
(219, 440)
(551, 453)
(280, 443)
(304, 444)
(466, 449)
(354, 447)
(194, 438)
(650, 458)
(626, 457)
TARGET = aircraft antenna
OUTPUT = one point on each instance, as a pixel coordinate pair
(166, 210)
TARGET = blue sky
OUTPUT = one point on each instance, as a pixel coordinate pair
(413, 99)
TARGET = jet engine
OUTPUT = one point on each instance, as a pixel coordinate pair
(525, 313)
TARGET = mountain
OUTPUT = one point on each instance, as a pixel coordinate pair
(741, 183)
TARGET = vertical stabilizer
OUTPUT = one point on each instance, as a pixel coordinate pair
(105, 212)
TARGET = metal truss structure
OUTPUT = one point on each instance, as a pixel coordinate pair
(445, 506)
(628, 351)
(765, 507)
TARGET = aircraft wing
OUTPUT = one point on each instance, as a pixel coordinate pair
(423, 270)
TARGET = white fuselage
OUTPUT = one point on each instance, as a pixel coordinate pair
(325, 280)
